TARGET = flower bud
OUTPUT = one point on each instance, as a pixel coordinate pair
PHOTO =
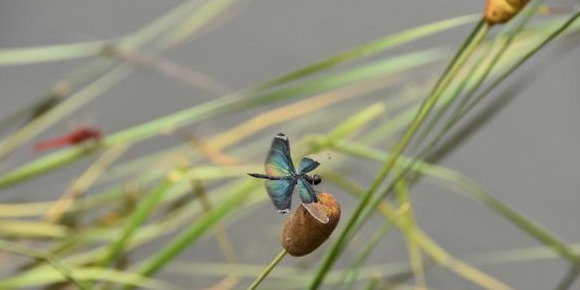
(501, 11)
(302, 233)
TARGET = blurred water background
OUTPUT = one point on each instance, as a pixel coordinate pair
(527, 155)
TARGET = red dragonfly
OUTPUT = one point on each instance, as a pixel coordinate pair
(75, 137)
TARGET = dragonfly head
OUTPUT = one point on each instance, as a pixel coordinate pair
(316, 179)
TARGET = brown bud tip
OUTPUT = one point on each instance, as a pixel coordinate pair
(302, 233)
(501, 11)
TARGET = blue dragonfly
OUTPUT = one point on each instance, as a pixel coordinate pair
(282, 178)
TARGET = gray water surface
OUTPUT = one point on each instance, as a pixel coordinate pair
(527, 156)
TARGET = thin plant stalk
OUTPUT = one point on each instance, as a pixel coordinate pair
(518, 64)
(81, 184)
(363, 255)
(432, 249)
(267, 270)
(106, 81)
(465, 107)
(409, 221)
(534, 231)
(54, 263)
(474, 191)
(474, 71)
(191, 234)
(227, 104)
(137, 218)
(220, 232)
(363, 51)
(471, 43)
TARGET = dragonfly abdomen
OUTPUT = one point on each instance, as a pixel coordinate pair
(269, 177)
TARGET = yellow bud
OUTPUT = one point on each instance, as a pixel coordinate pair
(302, 233)
(501, 11)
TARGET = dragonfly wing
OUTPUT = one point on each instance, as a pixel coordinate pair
(307, 164)
(280, 191)
(310, 201)
(279, 162)
(316, 211)
(306, 192)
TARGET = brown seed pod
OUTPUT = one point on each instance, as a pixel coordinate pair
(501, 11)
(302, 233)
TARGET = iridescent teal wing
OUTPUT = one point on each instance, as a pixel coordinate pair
(307, 164)
(306, 192)
(279, 162)
(310, 201)
(280, 191)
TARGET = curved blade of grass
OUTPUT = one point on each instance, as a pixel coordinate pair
(524, 223)
(192, 24)
(155, 28)
(356, 267)
(202, 173)
(103, 83)
(236, 102)
(293, 111)
(63, 109)
(435, 251)
(431, 248)
(481, 77)
(474, 191)
(349, 126)
(52, 261)
(478, 76)
(471, 43)
(524, 59)
(352, 124)
(297, 112)
(536, 232)
(365, 50)
(135, 220)
(395, 39)
(77, 189)
(408, 220)
(24, 229)
(466, 105)
(226, 105)
(28, 55)
(529, 226)
(84, 274)
(519, 255)
(169, 224)
(195, 231)
(372, 48)
(293, 277)
(33, 110)
(287, 275)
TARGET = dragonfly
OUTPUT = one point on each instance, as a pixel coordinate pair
(281, 179)
(78, 136)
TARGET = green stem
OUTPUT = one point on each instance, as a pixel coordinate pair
(488, 69)
(268, 269)
(515, 217)
(523, 60)
(476, 192)
(107, 79)
(463, 54)
(135, 220)
(194, 232)
(59, 267)
(464, 103)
